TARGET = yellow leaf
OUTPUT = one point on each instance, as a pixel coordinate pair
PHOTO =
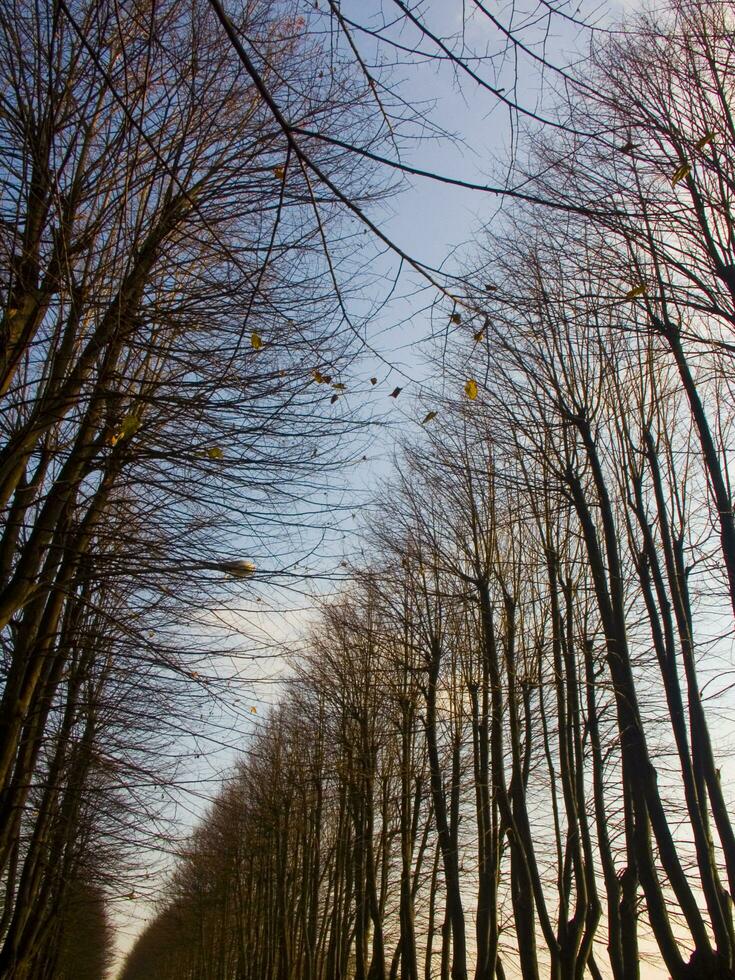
(253, 710)
(428, 417)
(338, 386)
(256, 341)
(705, 140)
(214, 452)
(680, 173)
(240, 569)
(478, 336)
(636, 291)
(470, 389)
(128, 427)
(279, 172)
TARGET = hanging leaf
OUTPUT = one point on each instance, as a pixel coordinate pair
(470, 389)
(636, 291)
(373, 381)
(705, 140)
(128, 427)
(395, 393)
(318, 377)
(214, 452)
(279, 173)
(491, 287)
(256, 341)
(477, 337)
(333, 399)
(456, 318)
(253, 710)
(338, 386)
(680, 173)
(239, 569)
(428, 417)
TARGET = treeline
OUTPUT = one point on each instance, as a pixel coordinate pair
(501, 754)
(166, 298)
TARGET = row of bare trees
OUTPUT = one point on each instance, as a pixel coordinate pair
(504, 753)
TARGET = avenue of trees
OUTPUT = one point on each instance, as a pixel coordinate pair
(506, 749)
(166, 301)
(190, 251)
